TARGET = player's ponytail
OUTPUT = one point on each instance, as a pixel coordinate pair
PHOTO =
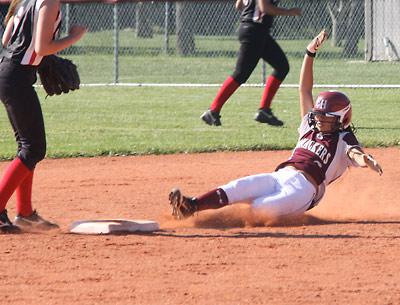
(11, 10)
(351, 128)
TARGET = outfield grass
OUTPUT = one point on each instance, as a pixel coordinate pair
(214, 70)
(119, 120)
(145, 61)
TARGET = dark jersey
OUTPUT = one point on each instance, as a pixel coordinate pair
(251, 13)
(21, 46)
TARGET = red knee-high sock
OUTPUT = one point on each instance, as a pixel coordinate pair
(15, 173)
(271, 87)
(24, 196)
(214, 199)
(228, 87)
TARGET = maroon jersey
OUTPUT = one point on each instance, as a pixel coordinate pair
(324, 156)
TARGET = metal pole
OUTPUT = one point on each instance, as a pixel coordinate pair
(166, 26)
(67, 17)
(264, 72)
(116, 43)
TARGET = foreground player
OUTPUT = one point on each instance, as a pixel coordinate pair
(31, 26)
(255, 42)
(325, 149)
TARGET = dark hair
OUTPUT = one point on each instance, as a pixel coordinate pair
(11, 10)
(351, 128)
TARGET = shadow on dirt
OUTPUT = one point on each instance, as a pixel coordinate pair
(256, 235)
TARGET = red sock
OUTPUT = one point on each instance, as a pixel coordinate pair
(214, 199)
(271, 87)
(15, 173)
(228, 87)
(24, 196)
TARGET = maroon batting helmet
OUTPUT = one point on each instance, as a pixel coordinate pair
(334, 104)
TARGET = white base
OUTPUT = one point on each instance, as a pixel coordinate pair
(111, 226)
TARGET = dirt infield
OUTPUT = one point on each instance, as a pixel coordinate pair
(345, 251)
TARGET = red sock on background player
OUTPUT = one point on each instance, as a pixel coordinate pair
(24, 196)
(227, 89)
(13, 176)
(271, 87)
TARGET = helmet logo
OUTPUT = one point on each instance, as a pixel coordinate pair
(321, 103)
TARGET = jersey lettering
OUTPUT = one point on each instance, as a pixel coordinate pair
(317, 148)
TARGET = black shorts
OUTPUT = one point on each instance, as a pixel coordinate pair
(23, 109)
(255, 43)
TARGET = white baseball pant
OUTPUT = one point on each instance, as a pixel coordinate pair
(281, 193)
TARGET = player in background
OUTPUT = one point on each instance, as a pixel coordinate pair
(255, 42)
(31, 28)
(326, 147)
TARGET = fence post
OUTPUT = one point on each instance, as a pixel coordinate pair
(166, 28)
(116, 43)
(264, 72)
(184, 29)
(67, 17)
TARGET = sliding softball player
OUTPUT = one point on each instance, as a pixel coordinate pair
(326, 147)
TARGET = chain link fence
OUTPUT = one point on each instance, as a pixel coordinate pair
(196, 41)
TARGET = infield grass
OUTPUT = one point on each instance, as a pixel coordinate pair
(141, 120)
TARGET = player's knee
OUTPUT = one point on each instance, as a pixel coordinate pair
(281, 72)
(32, 154)
(241, 76)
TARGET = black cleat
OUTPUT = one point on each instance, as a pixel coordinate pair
(6, 225)
(182, 207)
(211, 118)
(266, 116)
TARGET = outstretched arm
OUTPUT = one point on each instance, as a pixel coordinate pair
(306, 74)
(364, 160)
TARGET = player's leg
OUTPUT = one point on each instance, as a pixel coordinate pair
(251, 46)
(293, 195)
(25, 115)
(185, 206)
(27, 121)
(13, 92)
(274, 56)
(241, 190)
(29, 125)
(282, 193)
(247, 188)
